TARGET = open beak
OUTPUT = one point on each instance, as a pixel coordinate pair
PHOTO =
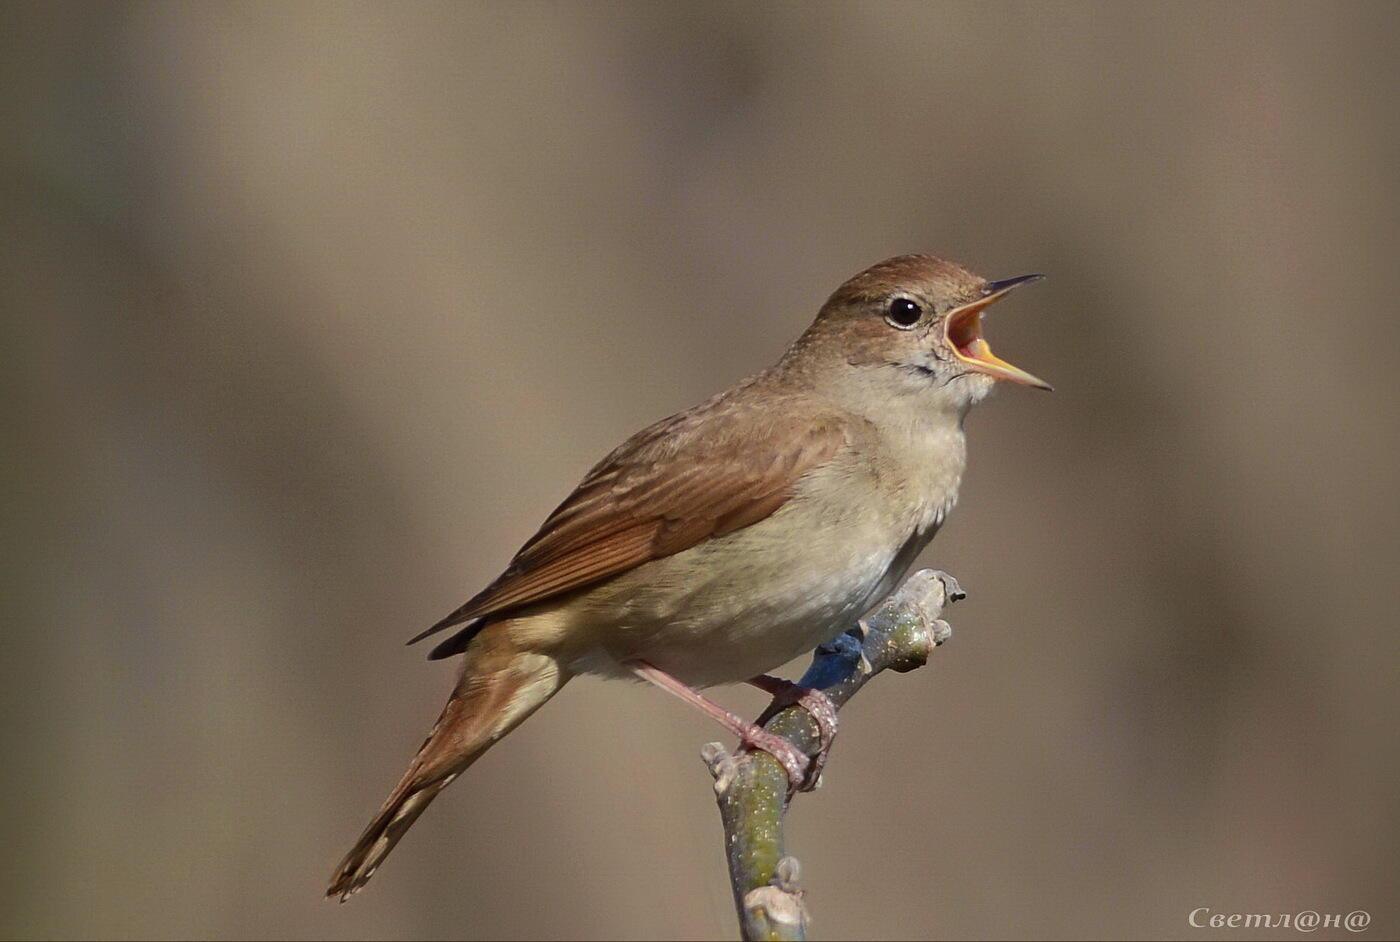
(962, 329)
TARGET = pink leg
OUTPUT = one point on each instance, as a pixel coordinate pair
(786, 693)
(792, 760)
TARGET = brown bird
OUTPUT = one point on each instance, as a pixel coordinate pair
(726, 540)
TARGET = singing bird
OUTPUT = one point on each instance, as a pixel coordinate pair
(726, 540)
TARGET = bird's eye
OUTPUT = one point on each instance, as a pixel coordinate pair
(903, 313)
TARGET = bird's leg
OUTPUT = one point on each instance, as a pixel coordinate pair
(823, 712)
(789, 756)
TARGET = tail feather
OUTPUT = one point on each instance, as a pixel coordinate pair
(400, 811)
(500, 686)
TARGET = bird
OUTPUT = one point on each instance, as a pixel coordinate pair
(723, 541)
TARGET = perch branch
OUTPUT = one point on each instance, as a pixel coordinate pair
(752, 787)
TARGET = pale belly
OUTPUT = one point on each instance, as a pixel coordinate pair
(744, 604)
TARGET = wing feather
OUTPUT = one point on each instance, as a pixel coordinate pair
(719, 468)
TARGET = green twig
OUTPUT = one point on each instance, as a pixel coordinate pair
(752, 787)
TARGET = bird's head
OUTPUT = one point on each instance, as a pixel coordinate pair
(910, 326)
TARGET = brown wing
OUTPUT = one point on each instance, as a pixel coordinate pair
(715, 469)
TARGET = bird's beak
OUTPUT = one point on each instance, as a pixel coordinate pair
(962, 329)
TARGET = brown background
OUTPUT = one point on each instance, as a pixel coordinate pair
(311, 313)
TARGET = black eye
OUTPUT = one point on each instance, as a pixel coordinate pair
(903, 313)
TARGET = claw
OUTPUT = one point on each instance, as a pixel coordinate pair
(797, 765)
(817, 704)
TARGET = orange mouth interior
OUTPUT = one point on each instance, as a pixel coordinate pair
(964, 333)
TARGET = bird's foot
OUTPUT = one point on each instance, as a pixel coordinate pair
(823, 712)
(793, 760)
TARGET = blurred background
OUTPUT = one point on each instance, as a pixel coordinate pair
(311, 312)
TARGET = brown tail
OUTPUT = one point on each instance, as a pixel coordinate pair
(500, 686)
